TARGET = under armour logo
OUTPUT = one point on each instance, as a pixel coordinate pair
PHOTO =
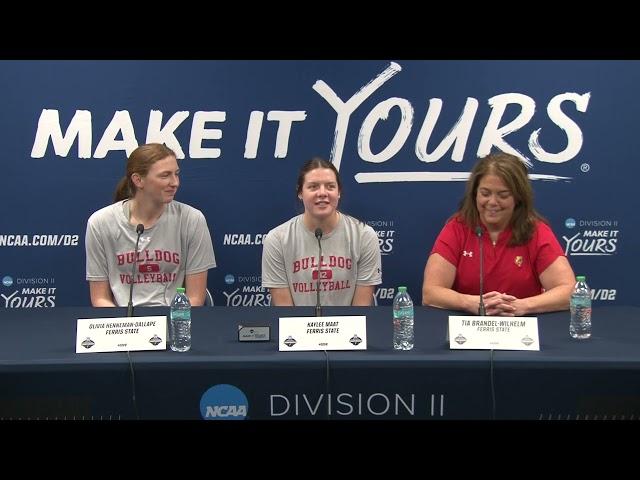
(467, 254)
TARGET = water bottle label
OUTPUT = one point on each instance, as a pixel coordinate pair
(180, 314)
(403, 312)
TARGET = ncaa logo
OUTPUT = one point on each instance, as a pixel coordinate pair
(224, 402)
(7, 281)
(570, 223)
(229, 279)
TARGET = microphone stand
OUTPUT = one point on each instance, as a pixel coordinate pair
(481, 310)
(318, 234)
(139, 231)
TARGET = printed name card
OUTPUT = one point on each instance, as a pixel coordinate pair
(121, 334)
(493, 333)
(322, 333)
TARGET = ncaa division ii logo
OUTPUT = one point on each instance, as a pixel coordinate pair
(224, 402)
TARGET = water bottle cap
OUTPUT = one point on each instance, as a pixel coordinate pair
(402, 289)
(180, 289)
(581, 278)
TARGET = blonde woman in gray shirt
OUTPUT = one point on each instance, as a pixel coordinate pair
(174, 250)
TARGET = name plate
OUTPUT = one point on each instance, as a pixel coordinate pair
(322, 333)
(493, 333)
(121, 334)
(254, 333)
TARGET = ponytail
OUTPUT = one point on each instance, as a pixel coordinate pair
(122, 190)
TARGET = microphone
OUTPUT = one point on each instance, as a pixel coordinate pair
(139, 231)
(481, 310)
(318, 234)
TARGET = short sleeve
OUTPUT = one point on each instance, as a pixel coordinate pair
(274, 273)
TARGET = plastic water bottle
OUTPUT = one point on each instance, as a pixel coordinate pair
(580, 324)
(402, 320)
(180, 322)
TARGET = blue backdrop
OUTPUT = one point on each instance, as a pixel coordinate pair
(404, 135)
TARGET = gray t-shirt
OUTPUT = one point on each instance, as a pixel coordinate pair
(178, 244)
(350, 257)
